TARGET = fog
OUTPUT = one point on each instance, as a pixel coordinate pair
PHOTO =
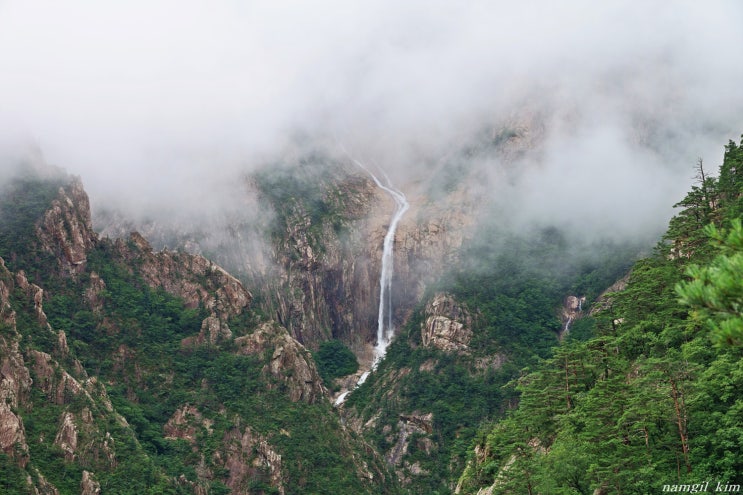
(160, 105)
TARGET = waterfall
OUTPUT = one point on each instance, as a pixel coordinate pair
(385, 332)
(363, 378)
(341, 398)
(385, 327)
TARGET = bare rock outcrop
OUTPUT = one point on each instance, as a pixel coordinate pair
(604, 301)
(249, 456)
(43, 487)
(192, 278)
(185, 424)
(448, 325)
(290, 362)
(66, 230)
(407, 425)
(15, 378)
(213, 331)
(93, 292)
(7, 315)
(88, 485)
(55, 382)
(12, 435)
(66, 438)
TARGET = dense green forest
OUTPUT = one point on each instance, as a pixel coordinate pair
(655, 396)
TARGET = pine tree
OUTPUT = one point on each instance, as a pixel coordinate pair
(716, 290)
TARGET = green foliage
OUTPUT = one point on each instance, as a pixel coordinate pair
(23, 202)
(12, 478)
(518, 281)
(335, 360)
(134, 343)
(731, 181)
(313, 196)
(716, 290)
(646, 401)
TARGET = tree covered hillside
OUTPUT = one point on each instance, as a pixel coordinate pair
(655, 396)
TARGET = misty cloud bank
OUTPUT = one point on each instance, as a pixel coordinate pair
(159, 106)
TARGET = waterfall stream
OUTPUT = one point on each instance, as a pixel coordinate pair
(385, 327)
(567, 324)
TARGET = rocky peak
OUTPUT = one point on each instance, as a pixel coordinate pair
(193, 278)
(66, 231)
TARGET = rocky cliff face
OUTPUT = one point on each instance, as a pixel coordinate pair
(31, 379)
(15, 378)
(327, 275)
(193, 278)
(329, 264)
(66, 230)
(448, 326)
(290, 363)
(55, 409)
(248, 456)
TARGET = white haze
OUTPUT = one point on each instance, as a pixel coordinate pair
(160, 105)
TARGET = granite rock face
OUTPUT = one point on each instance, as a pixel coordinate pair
(66, 230)
(447, 325)
(290, 362)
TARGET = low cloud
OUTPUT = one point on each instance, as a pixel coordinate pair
(159, 106)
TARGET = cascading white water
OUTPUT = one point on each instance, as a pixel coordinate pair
(567, 324)
(385, 332)
(385, 328)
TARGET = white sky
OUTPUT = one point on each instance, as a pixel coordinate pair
(158, 101)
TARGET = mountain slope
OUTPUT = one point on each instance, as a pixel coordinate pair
(648, 404)
(147, 372)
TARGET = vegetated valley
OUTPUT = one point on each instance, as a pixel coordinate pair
(525, 360)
